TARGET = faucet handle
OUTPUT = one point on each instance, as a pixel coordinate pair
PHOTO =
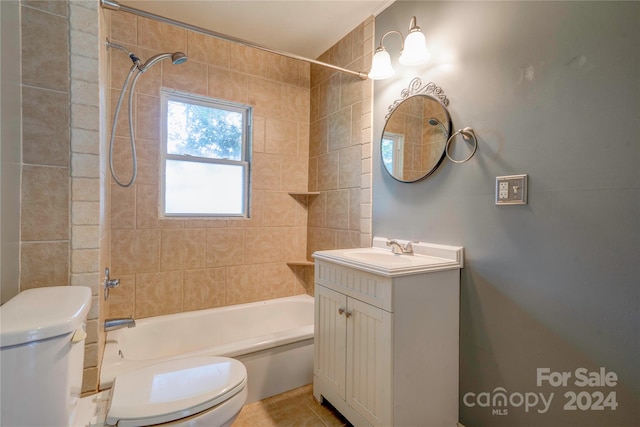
(396, 247)
(109, 283)
(409, 245)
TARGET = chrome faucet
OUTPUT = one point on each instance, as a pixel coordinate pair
(399, 249)
(124, 322)
(109, 283)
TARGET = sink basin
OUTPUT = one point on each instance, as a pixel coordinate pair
(378, 257)
(380, 260)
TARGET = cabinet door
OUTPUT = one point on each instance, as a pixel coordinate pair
(330, 338)
(369, 374)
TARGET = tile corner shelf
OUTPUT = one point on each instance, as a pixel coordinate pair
(301, 263)
(302, 196)
(304, 193)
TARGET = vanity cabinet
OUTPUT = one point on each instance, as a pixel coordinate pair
(352, 353)
(386, 345)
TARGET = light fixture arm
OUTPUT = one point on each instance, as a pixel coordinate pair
(413, 26)
(381, 45)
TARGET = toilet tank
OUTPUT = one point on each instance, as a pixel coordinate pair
(42, 335)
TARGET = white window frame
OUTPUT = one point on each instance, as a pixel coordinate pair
(397, 142)
(167, 95)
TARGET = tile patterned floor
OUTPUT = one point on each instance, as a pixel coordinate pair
(295, 408)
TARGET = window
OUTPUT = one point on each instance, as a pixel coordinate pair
(205, 157)
(392, 148)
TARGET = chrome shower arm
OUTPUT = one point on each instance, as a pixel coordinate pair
(131, 55)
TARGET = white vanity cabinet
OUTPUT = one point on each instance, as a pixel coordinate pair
(386, 336)
(353, 355)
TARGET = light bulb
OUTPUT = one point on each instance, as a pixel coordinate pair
(415, 49)
(381, 65)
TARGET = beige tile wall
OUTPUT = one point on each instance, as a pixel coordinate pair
(60, 127)
(174, 265)
(45, 188)
(340, 146)
(87, 229)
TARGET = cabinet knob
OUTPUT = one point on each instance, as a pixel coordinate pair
(345, 312)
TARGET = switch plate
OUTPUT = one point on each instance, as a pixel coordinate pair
(511, 190)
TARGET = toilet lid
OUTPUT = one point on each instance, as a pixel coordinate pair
(174, 389)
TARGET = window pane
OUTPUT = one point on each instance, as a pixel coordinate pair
(387, 153)
(203, 188)
(202, 131)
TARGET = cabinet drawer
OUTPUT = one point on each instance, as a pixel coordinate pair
(370, 288)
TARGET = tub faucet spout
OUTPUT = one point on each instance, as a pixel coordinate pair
(113, 324)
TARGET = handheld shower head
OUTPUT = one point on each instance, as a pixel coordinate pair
(176, 58)
(435, 122)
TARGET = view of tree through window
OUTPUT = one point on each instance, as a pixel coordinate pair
(197, 130)
(205, 157)
(387, 152)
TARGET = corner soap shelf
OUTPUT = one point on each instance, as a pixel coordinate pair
(302, 196)
(302, 263)
(296, 194)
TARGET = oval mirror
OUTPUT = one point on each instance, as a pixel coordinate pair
(416, 131)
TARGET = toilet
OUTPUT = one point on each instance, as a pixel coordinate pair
(42, 336)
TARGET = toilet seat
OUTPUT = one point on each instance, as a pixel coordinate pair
(173, 390)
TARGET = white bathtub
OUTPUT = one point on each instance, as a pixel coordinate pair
(274, 339)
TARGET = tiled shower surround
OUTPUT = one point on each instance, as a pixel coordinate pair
(312, 132)
(172, 265)
(340, 146)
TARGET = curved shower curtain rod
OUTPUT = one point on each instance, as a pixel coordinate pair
(114, 5)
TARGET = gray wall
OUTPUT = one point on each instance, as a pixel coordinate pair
(552, 90)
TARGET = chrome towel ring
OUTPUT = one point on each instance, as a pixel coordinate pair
(467, 133)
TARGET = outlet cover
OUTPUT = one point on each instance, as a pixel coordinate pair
(511, 190)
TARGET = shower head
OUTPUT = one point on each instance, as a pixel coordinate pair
(176, 58)
(435, 122)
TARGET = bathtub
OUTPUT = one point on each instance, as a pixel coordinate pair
(274, 340)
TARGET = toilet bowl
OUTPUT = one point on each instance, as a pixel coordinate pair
(192, 391)
(42, 338)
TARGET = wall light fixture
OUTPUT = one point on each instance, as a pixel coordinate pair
(414, 52)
